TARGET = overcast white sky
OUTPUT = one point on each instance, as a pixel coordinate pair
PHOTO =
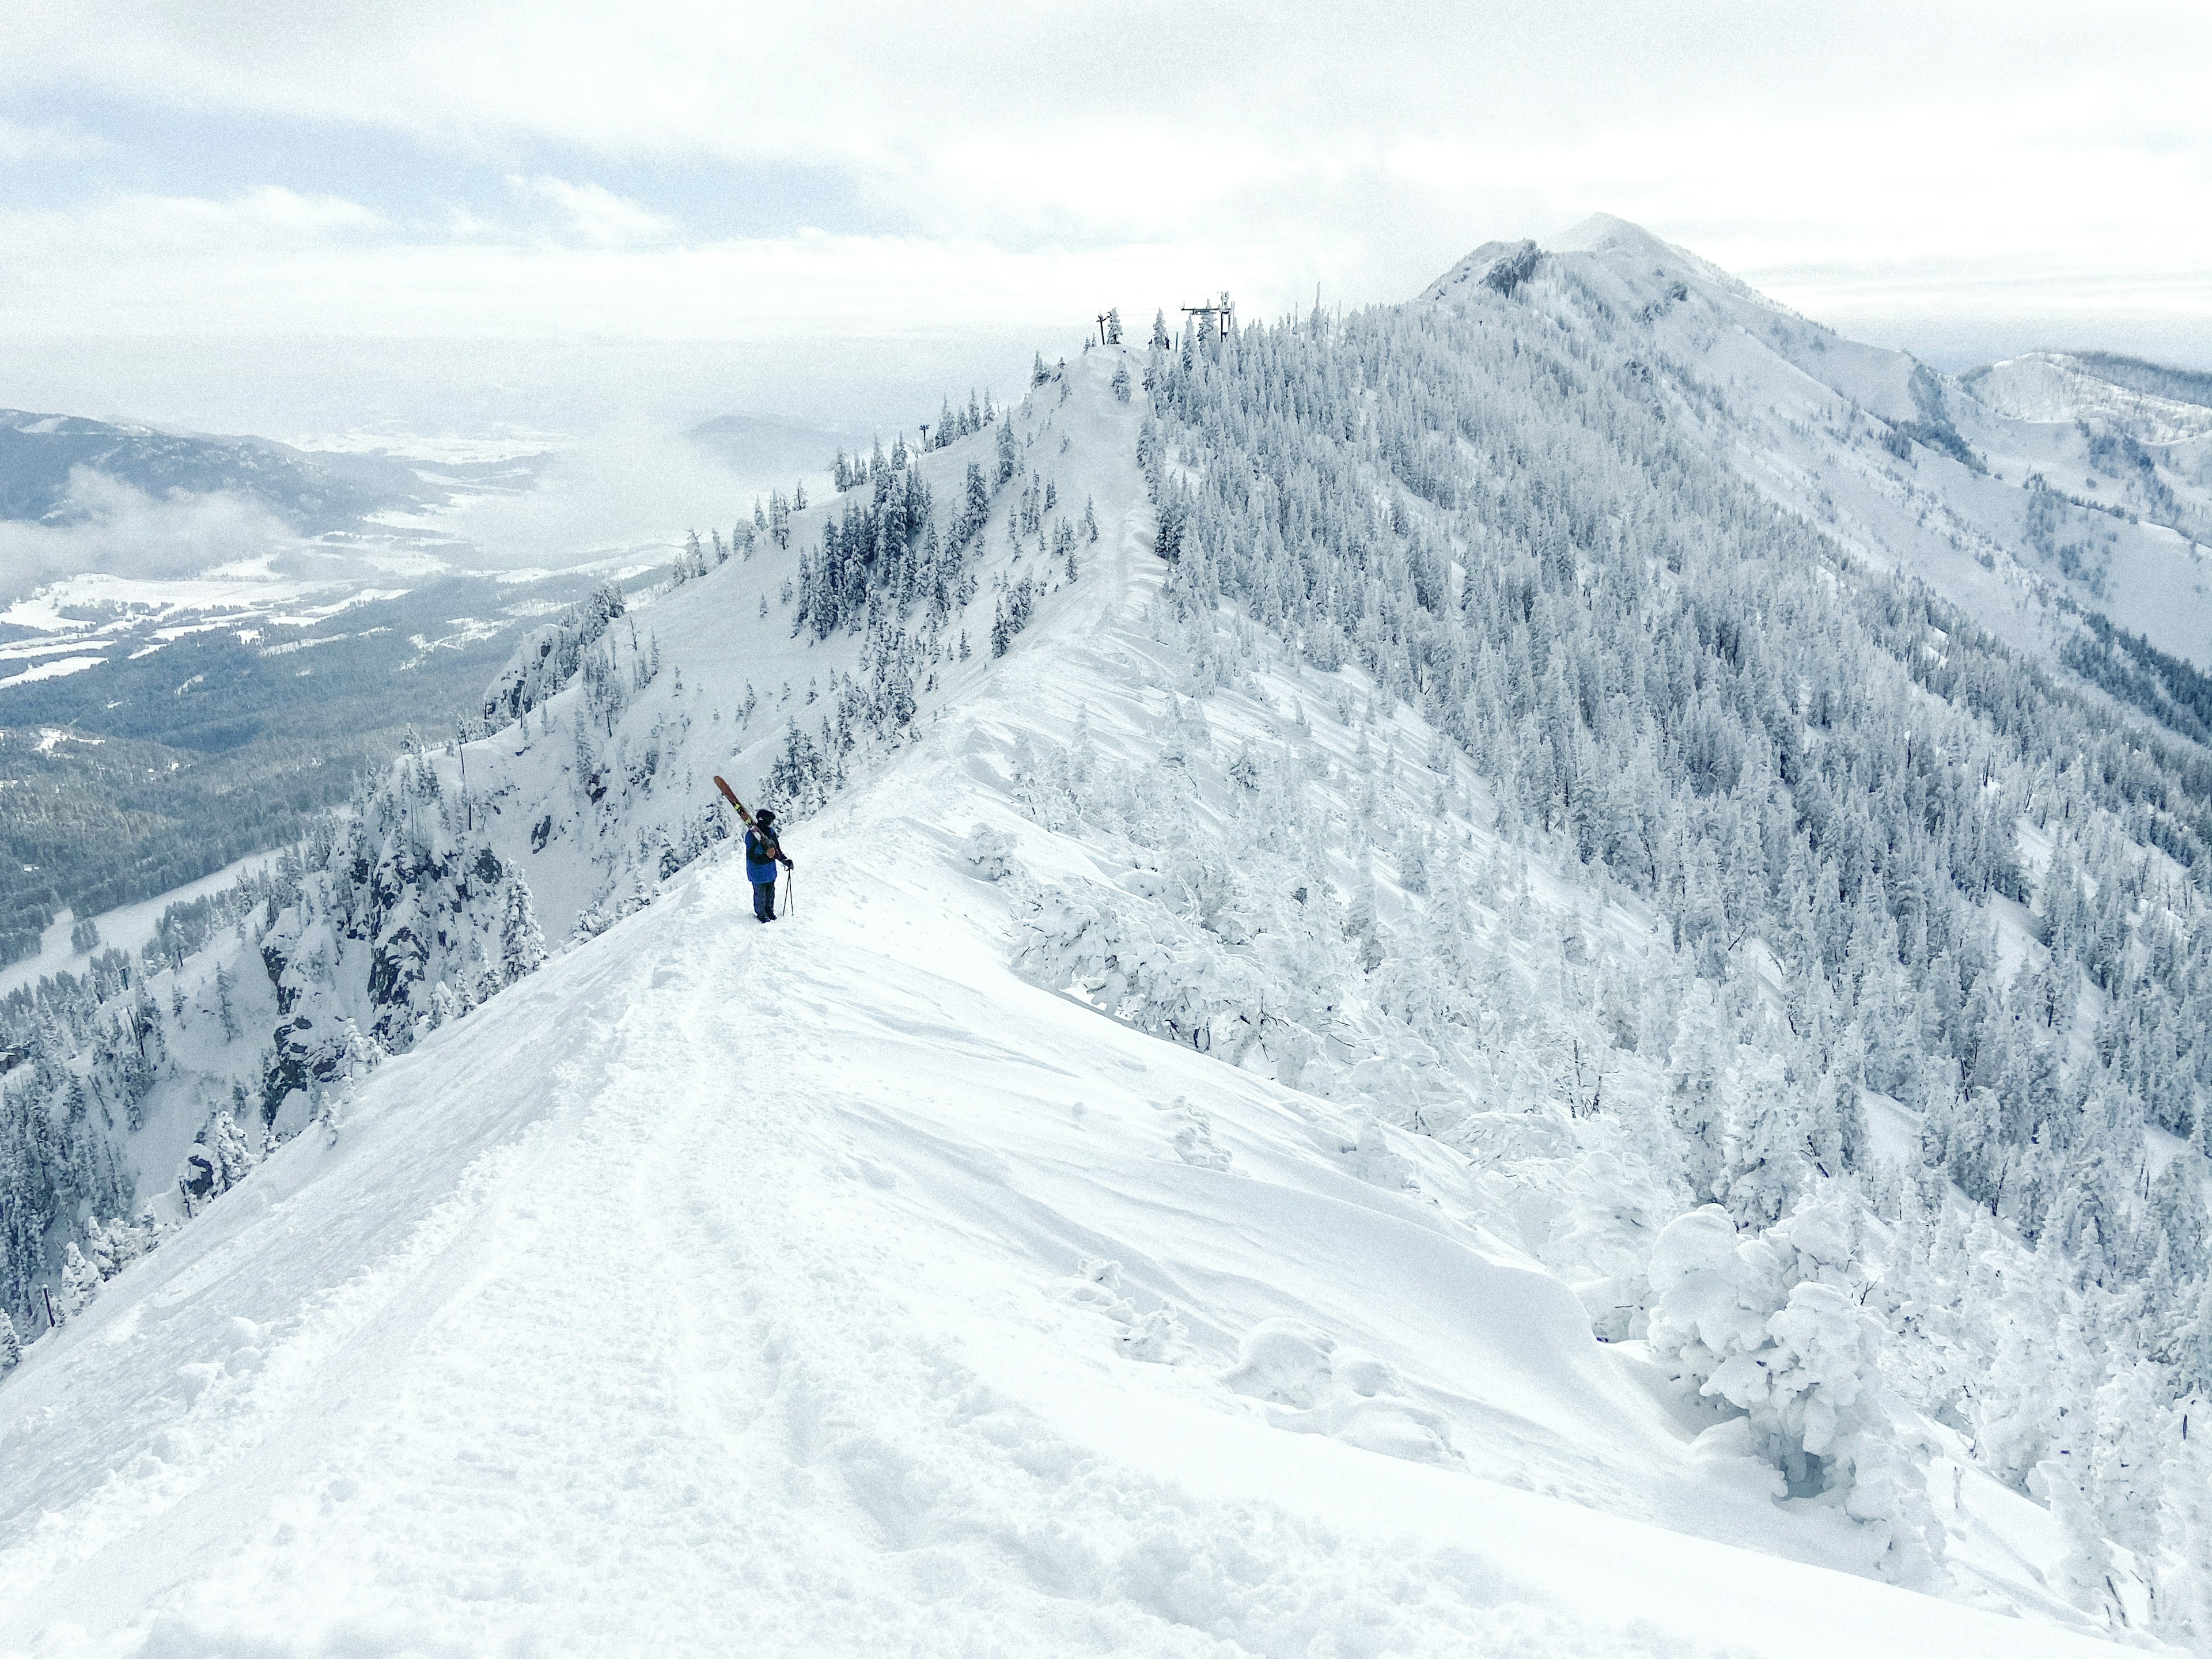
(902, 183)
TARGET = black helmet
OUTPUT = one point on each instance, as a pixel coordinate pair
(766, 815)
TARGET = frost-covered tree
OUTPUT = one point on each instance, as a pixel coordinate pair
(224, 1013)
(1771, 1323)
(1763, 1165)
(79, 1281)
(522, 943)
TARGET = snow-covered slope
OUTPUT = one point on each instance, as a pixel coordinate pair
(835, 1288)
(738, 1286)
(2121, 432)
(2020, 514)
(1409, 1023)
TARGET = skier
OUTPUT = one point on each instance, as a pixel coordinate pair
(763, 853)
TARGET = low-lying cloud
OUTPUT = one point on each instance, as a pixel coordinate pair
(110, 528)
(636, 485)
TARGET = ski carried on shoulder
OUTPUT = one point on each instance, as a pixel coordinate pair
(730, 796)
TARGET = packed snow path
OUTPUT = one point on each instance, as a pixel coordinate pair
(829, 1289)
(717, 1292)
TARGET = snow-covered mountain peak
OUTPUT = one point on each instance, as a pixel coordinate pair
(1600, 231)
(1623, 242)
(1636, 263)
(2029, 492)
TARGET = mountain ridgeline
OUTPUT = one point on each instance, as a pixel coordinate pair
(1504, 519)
(1815, 972)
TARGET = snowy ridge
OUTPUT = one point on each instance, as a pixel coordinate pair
(438, 888)
(835, 1283)
(817, 1358)
(2057, 386)
(1447, 1013)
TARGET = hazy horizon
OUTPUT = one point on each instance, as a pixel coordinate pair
(307, 389)
(296, 221)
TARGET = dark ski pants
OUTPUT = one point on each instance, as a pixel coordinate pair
(765, 900)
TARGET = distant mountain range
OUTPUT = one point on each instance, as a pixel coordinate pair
(38, 453)
(314, 491)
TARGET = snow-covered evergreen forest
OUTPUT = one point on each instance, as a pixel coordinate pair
(1813, 981)
(1891, 865)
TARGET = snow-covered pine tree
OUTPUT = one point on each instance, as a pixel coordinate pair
(522, 943)
(80, 1282)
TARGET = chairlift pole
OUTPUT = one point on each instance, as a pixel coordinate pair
(1217, 315)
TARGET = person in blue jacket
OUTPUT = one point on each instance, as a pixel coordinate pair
(763, 853)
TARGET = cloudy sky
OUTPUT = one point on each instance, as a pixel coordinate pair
(879, 189)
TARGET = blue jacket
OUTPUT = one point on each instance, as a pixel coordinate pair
(762, 854)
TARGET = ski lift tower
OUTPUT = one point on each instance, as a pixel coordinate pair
(1220, 314)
